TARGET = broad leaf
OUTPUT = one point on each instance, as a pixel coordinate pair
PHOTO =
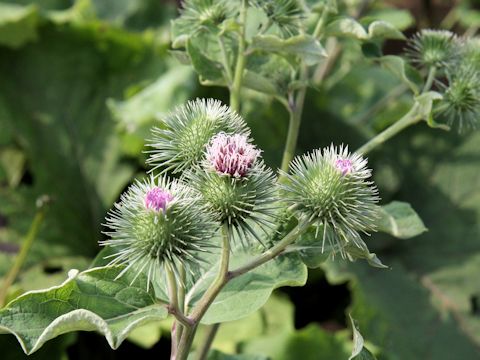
(304, 46)
(210, 71)
(18, 24)
(92, 300)
(397, 66)
(346, 27)
(400, 220)
(384, 30)
(248, 292)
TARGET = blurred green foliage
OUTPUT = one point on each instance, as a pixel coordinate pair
(80, 85)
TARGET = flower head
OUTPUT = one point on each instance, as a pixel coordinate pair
(157, 199)
(159, 222)
(461, 98)
(231, 154)
(437, 48)
(330, 188)
(203, 15)
(287, 15)
(238, 189)
(180, 142)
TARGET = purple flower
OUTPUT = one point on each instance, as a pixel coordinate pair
(344, 165)
(231, 154)
(157, 199)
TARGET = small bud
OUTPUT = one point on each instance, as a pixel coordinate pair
(331, 189)
(180, 142)
(159, 222)
(231, 154)
(437, 48)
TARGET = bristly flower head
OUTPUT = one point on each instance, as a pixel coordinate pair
(200, 15)
(231, 154)
(471, 53)
(180, 142)
(236, 186)
(330, 188)
(461, 99)
(437, 48)
(156, 223)
(287, 15)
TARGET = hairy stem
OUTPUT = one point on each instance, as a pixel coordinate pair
(207, 342)
(410, 118)
(20, 259)
(207, 298)
(295, 107)
(431, 76)
(226, 63)
(240, 65)
(273, 252)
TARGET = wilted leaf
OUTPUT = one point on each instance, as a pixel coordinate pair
(359, 352)
(384, 30)
(397, 66)
(348, 27)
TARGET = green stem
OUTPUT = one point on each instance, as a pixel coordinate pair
(295, 107)
(273, 252)
(410, 118)
(20, 259)
(240, 66)
(295, 118)
(380, 104)
(207, 343)
(430, 78)
(226, 63)
(207, 298)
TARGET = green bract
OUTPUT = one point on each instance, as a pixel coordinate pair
(237, 187)
(461, 98)
(180, 141)
(287, 15)
(148, 231)
(204, 15)
(437, 48)
(330, 188)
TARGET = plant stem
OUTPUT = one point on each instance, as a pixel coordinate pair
(207, 298)
(410, 118)
(380, 104)
(240, 66)
(295, 118)
(430, 78)
(296, 105)
(209, 337)
(273, 252)
(22, 255)
(226, 63)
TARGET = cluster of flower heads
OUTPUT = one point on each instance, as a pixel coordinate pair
(456, 62)
(330, 188)
(161, 223)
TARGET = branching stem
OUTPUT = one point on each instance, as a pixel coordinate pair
(241, 58)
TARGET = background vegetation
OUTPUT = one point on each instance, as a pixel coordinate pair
(81, 83)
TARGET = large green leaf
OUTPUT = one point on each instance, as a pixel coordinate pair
(92, 300)
(62, 122)
(18, 24)
(249, 292)
(400, 220)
